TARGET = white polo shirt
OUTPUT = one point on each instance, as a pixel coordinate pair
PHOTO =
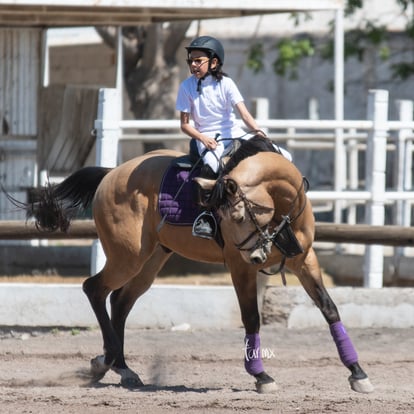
(212, 109)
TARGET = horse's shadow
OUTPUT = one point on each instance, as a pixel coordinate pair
(175, 388)
(87, 381)
(184, 389)
(156, 388)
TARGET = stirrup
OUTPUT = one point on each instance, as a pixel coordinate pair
(205, 226)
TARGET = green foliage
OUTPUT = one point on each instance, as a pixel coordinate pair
(297, 17)
(375, 34)
(353, 45)
(404, 4)
(402, 70)
(410, 29)
(384, 52)
(369, 35)
(290, 53)
(255, 57)
(352, 6)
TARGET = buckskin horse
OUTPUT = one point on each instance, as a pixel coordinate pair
(265, 220)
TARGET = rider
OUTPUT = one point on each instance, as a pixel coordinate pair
(208, 97)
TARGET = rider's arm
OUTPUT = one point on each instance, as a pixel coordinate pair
(192, 132)
(247, 117)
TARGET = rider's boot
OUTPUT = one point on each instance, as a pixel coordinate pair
(205, 225)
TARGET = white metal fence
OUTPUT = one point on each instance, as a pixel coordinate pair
(377, 138)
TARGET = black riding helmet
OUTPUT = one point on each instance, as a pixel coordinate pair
(208, 44)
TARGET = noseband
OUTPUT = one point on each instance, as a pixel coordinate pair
(266, 237)
(261, 231)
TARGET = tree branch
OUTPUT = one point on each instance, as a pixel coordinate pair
(175, 34)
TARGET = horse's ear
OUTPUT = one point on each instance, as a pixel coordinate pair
(231, 186)
(204, 183)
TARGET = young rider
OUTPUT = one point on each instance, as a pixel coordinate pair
(208, 97)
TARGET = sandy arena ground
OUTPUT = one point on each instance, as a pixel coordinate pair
(202, 372)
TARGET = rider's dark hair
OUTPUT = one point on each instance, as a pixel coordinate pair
(217, 72)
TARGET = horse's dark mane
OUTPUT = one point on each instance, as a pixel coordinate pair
(248, 148)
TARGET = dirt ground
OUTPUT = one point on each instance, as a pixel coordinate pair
(200, 371)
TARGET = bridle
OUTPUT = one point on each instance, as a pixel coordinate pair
(266, 236)
(261, 231)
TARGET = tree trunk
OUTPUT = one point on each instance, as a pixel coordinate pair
(151, 72)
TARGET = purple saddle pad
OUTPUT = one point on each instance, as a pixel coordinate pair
(178, 205)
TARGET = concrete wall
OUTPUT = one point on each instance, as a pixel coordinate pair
(345, 269)
(189, 307)
(182, 307)
(359, 307)
(289, 99)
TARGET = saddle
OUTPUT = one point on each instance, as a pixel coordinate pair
(176, 202)
(179, 195)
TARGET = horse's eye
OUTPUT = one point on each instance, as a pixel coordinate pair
(237, 218)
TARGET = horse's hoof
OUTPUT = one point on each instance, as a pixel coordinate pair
(129, 379)
(265, 384)
(131, 382)
(266, 388)
(98, 368)
(363, 386)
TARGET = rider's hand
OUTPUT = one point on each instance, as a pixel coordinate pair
(208, 142)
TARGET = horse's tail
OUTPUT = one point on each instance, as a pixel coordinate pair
(54, 206)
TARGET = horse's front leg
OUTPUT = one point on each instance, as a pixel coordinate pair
(310, 276)
(244, 282)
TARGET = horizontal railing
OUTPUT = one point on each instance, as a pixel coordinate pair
(389, 235)
(376, 136)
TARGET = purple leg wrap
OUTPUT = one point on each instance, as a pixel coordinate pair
(346, 350)
(252, 355)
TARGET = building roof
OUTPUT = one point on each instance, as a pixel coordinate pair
(57, 13)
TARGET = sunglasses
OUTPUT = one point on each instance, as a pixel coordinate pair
(197, 61)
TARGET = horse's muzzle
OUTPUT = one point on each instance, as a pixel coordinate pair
(258, 256)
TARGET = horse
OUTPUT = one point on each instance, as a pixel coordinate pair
(265, 219)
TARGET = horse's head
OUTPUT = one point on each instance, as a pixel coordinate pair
(246, 216)
(262, 202)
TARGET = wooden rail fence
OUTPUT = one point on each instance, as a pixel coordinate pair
(389, 235)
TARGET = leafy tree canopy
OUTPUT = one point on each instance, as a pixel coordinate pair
(368, 34)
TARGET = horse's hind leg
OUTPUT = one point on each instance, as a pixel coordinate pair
(97, 292)
(122, 301)
(309, 275)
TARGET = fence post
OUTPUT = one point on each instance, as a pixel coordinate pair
(375, 183)
(403, 165)
(260, 110)
(107, 136)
